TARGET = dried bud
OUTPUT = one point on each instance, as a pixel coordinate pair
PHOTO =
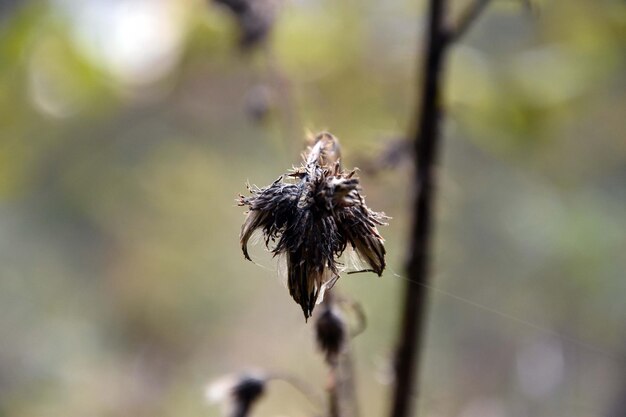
(311, 221)
(330, 332)
(8, 8)
(255, 19)
(237, 393)
(259, 102)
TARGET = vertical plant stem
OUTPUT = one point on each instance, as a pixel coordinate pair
(333, 395)
(342, 400)
(333, 384)
(426, 138)
(344, 380)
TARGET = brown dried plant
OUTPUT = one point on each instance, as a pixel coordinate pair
(310, 216)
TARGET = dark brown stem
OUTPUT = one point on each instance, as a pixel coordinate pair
(618, 407)
(426, 138)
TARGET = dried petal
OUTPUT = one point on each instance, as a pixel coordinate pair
(363, 235)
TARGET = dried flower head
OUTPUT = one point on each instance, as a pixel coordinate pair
(330, 332)
(237, 393)
(312, 219)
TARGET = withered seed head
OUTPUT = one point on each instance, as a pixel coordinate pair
(311, 221)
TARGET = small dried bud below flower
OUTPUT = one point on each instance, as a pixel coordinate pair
(330, 332)
(312, 220)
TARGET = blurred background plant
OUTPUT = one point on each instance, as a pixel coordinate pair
(127, 127)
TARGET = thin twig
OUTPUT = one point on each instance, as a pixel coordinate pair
(530, 7)
(360, 317)
(468, 17)
(393, 153)
(300, 385)
(472, 12)
(290, 122)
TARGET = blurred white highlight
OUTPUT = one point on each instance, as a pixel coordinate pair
(484, 407)
(138, 41)
(540, 367)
